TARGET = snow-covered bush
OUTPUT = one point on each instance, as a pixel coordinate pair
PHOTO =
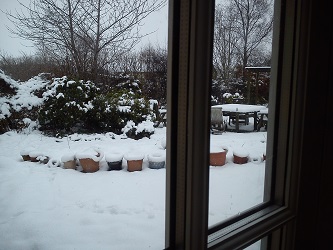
(66, 104)
(18, 100)
(132, 104)
(232, 98)
(78, 106)
(133, 109)
(143, 129)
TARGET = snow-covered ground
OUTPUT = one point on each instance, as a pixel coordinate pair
(48, 207)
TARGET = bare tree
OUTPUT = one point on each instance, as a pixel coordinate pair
(242, 35)
(253, 25)
(85, 35)
(225, 42)
(153, 67)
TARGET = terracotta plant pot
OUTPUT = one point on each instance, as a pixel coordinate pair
(70, 164)
(34, 155)
(26, 157)
(156, 160)
(69, 161)
(241, 156)
(134, 165)
(217, 156)
(134, 161)
(89, 165)
(89, 160)
(114, 161)
(25, 154)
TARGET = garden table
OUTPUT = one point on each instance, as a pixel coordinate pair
(238, 112)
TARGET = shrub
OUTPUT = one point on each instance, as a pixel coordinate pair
(66, 104)
(132, 106)
(143, 129)
(78, 106)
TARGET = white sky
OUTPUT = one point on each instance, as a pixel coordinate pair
(156, 22)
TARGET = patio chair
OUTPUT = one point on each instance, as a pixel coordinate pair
(218, 125)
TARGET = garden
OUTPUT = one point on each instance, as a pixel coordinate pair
(50, 200)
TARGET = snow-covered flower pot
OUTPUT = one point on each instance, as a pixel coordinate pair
(25, 154)
(114, 161)
(156, 160)
(53, 163)
(34, 155)
(134, 161)
(217, 156)
(89, 160)
(69, 161)
(241, 156)
(43, 159)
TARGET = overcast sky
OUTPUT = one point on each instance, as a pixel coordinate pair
(156, 22)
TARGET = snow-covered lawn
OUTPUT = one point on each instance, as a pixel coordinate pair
(49, 208)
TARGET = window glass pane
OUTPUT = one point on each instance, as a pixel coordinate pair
(53, 197)
(239, 106)
(258, 245)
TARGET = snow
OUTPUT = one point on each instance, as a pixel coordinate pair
(240, 107)
(44, 206)
(24, 98)
(93, 153)
(47, 207)
(133, 156)
(217, 149)
(157, 156)
(241, 152)
(35, 153)
(68, 157)
(147, 126)
(114, 156)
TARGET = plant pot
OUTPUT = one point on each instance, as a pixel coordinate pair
(89, 160)
(89, 165)
(156, 160)
(241, 156)
(134, 165)
(70, 164)
(43, 159)
(69, 161)
(26, 157)
(217, 156)
(25, 154)
(34, 155)
(115, 165)
(134, 161)
(114, 161)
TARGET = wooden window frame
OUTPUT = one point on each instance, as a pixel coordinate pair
(189, 77)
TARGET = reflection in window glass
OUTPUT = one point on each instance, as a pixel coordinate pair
(239, 111)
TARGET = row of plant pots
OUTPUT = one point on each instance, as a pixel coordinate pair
(90, 159)
(34, 156)
(218, 156)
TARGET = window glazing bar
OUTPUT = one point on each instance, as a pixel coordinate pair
(189, 80)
